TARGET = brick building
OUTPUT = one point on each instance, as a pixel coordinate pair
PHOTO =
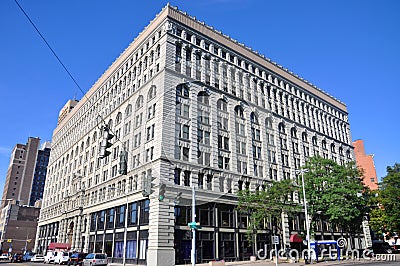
(366, 163)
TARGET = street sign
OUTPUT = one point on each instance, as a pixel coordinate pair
(275, 240)
(367, 234)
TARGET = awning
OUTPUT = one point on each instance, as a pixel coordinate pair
(296, 238)
(59, 246)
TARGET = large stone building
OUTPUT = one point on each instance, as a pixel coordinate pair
(366, 163)
(191, 107)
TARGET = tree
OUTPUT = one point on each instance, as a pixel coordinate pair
(386, 217)
(335, 193)
(268, 203)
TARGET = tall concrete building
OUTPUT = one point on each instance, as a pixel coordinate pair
(191, 107)
(366, 163)
(26, 173)
(24, 186)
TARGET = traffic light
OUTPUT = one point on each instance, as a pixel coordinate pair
(104, 143)
(147, 185)
(123, 163)
(161, 192)
(194, 225)
(178, 198)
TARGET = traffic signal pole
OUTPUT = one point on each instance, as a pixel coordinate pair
(193, 229)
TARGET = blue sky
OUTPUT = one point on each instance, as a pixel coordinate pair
(350, 49)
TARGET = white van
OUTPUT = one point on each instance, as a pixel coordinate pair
(62, 257)
(49, 257)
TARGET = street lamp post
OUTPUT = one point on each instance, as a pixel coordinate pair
(26, 240)
(302, 171)
(125, 227)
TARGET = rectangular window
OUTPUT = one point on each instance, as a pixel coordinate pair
(132, 214)
(185, 154)
(185, 110)
(185, 133)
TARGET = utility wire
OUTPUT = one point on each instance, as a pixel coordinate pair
(51, 49)
(65, 68)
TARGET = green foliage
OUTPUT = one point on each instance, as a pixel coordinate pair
(334, 192)
(386, 217)
(267, 204)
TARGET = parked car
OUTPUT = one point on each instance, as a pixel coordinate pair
(95, 259)
(28, 256)
(382, 247)
(76, 259)
(49, 258)
(62, 257)
(4, 256)
(37, 258)
(17, 257)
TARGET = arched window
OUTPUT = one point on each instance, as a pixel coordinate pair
(268, 122)
(139, 102)
(152, 93)
(118, 118)
(333, 148)
(314, 141)
(304, 137)
(128, 110)
(203, 98)
(151, 58)
(293, 132)
(134, 73)
(281, 128)
(324, 144)
(348, 154)
(222, 105)
(340, 151)
(94, 138)
(158, 51)
(253, 118)
(239, 111)
(182, 90)
(110, 124)
(88, 142)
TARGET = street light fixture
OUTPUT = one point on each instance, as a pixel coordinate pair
(126, 223)
(302, 171)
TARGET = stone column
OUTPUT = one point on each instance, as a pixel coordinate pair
(161, 233)
(203, 58)
(87, 230)
(285, 230)
(75, 234)
(78, 234)
(183, 60)
(193, 64)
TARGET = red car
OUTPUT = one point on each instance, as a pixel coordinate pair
(17, 257)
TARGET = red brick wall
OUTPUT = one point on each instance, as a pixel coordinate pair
(366, 163)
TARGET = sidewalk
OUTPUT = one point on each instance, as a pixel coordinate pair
(284, 263)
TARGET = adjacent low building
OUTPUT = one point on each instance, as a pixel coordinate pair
(190, 107)
(18, 225)
(366, 164)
